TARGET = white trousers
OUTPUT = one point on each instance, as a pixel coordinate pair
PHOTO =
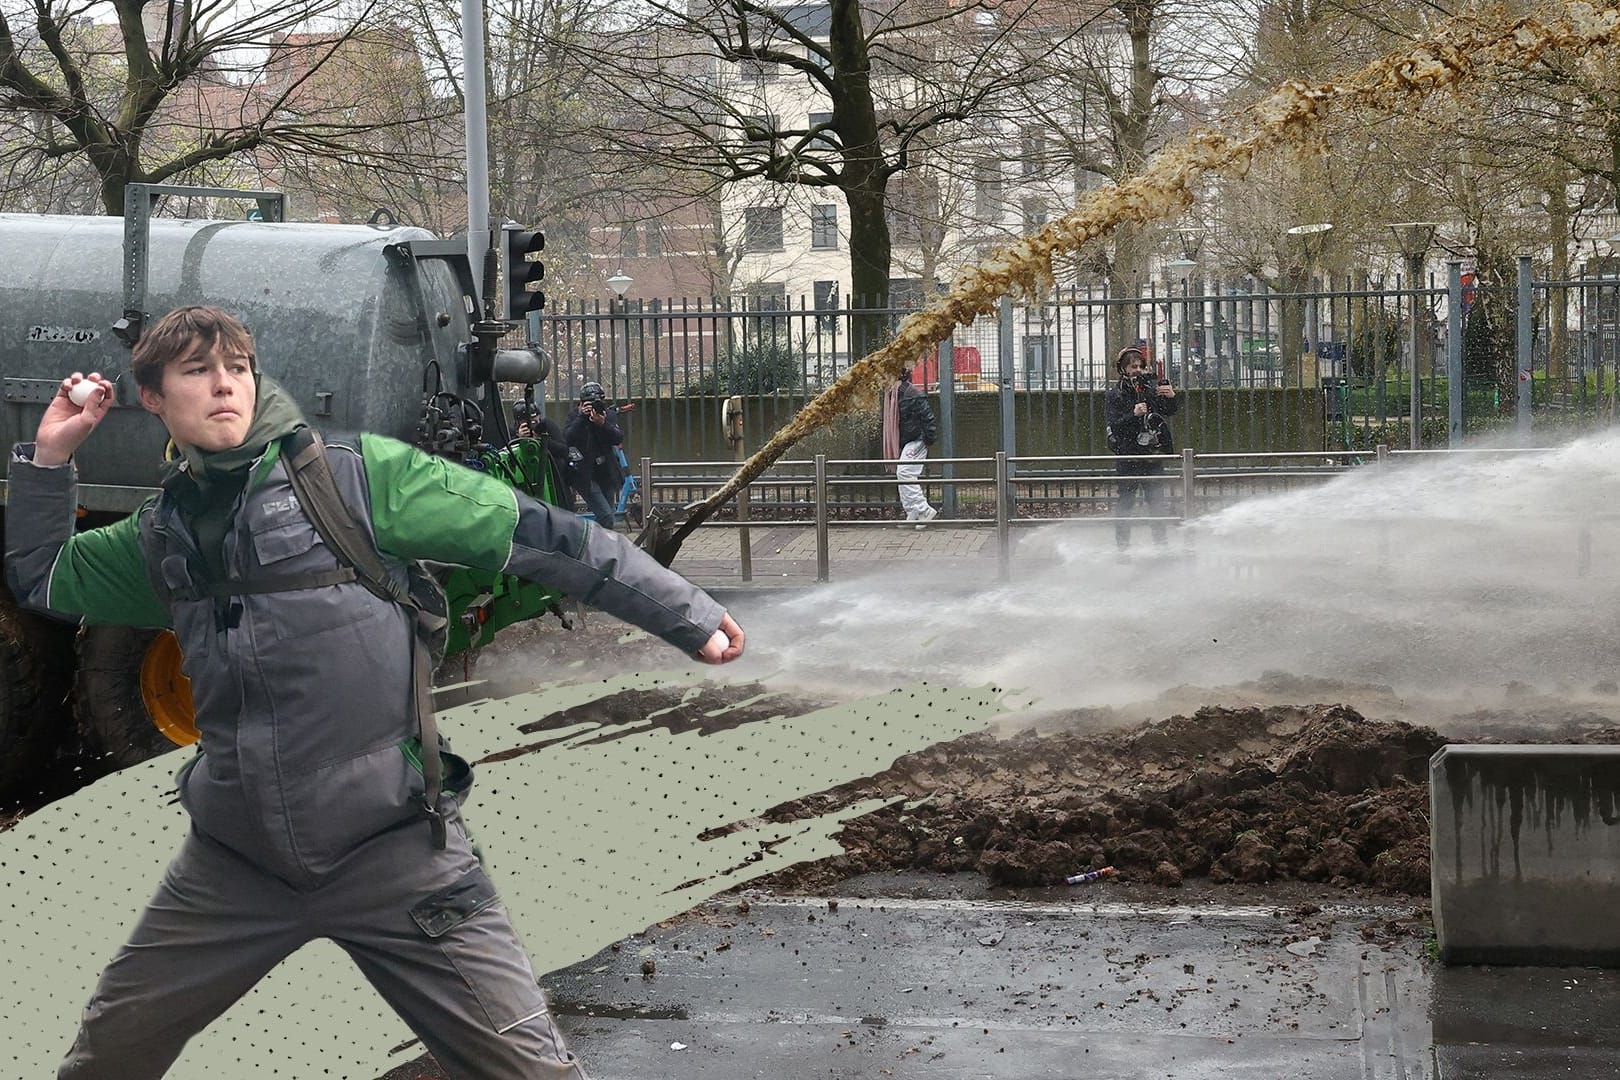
(908, 472)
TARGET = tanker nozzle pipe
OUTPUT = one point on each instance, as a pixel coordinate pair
(529, 365)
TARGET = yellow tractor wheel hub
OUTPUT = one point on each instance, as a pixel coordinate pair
(167, 692)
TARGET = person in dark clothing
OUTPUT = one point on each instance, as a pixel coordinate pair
(1136, 410)
(533, 424)
(591, 435)
(913, 432)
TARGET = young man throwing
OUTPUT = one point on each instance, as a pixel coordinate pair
(307, 799)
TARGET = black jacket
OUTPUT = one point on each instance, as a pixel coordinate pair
(1124, 426)
(916, 416)
(594, 443)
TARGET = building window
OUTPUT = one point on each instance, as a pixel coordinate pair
(1040, 362)
(1085, 180)
(653, 244)
(913, 210)
(766, 296)
(627, 240)
(762, 228)
(824, 226)
(827, 301)
(987, 191)
(1032, 152)
(824, 140)
(1035, 214)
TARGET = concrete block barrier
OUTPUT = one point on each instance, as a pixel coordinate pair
(1525, 854)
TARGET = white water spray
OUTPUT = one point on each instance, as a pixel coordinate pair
(1450, 577)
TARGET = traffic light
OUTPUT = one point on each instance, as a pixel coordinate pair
(524, 272)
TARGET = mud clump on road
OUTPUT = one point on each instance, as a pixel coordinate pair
(1251, 795)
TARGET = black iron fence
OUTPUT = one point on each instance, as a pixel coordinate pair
(1335, 369)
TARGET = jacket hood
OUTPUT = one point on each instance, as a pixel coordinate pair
(274, 416)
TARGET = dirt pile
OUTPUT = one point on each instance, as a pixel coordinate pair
(1249, 795)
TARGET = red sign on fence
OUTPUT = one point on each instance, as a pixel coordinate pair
(965, 366)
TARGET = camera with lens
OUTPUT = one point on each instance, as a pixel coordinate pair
(1145, 386)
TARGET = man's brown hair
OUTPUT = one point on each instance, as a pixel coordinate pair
(1124, 358)
(183, 333)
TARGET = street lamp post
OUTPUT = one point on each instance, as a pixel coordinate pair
(1414, 238)
(620, 284)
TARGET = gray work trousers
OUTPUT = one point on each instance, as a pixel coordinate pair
(424, 927)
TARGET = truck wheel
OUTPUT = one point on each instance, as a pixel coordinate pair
(34, 683)
(133, 702)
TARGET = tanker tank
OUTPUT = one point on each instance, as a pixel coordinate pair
(346, 318)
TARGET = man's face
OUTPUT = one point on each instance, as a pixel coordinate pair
(207, 399)
(1135, 366)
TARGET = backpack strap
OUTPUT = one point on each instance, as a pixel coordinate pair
(317, 491)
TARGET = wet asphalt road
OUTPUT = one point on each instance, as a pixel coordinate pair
(1070, 985)
(947, 988)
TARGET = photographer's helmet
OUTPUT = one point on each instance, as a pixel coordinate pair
(592, 392)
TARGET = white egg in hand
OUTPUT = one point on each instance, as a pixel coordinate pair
(82, 392)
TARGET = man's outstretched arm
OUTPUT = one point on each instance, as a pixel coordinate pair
(424, 507)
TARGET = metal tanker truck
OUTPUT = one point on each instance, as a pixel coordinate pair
(369, 328)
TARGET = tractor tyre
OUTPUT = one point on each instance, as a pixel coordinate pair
(118, 667)
(36, 659)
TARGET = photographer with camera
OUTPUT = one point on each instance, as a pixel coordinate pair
(1136, 411)
(591, 435)
(531, 423)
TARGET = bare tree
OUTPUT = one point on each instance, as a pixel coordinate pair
(702, 87)
(170, 90)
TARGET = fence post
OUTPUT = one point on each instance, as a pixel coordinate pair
(1414, 405)
(1383, 524)
(1004, 346)
(1454, 354)
(1003, 532)
(947, 422)
(646, 488)
(731, 420)
(823, 569)
(1189, 477)
(1526, 362)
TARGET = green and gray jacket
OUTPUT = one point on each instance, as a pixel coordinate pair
(304, 698)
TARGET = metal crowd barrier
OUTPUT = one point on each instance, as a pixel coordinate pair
(1203, 482)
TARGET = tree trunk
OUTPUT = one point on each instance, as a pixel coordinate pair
(1558, 230)
(864, 177)
(869, 252)
(1127, 277)
(117, 171)
(1132, 125)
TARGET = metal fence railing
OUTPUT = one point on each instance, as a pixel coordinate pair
(1341, 367)
(1009, 494)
